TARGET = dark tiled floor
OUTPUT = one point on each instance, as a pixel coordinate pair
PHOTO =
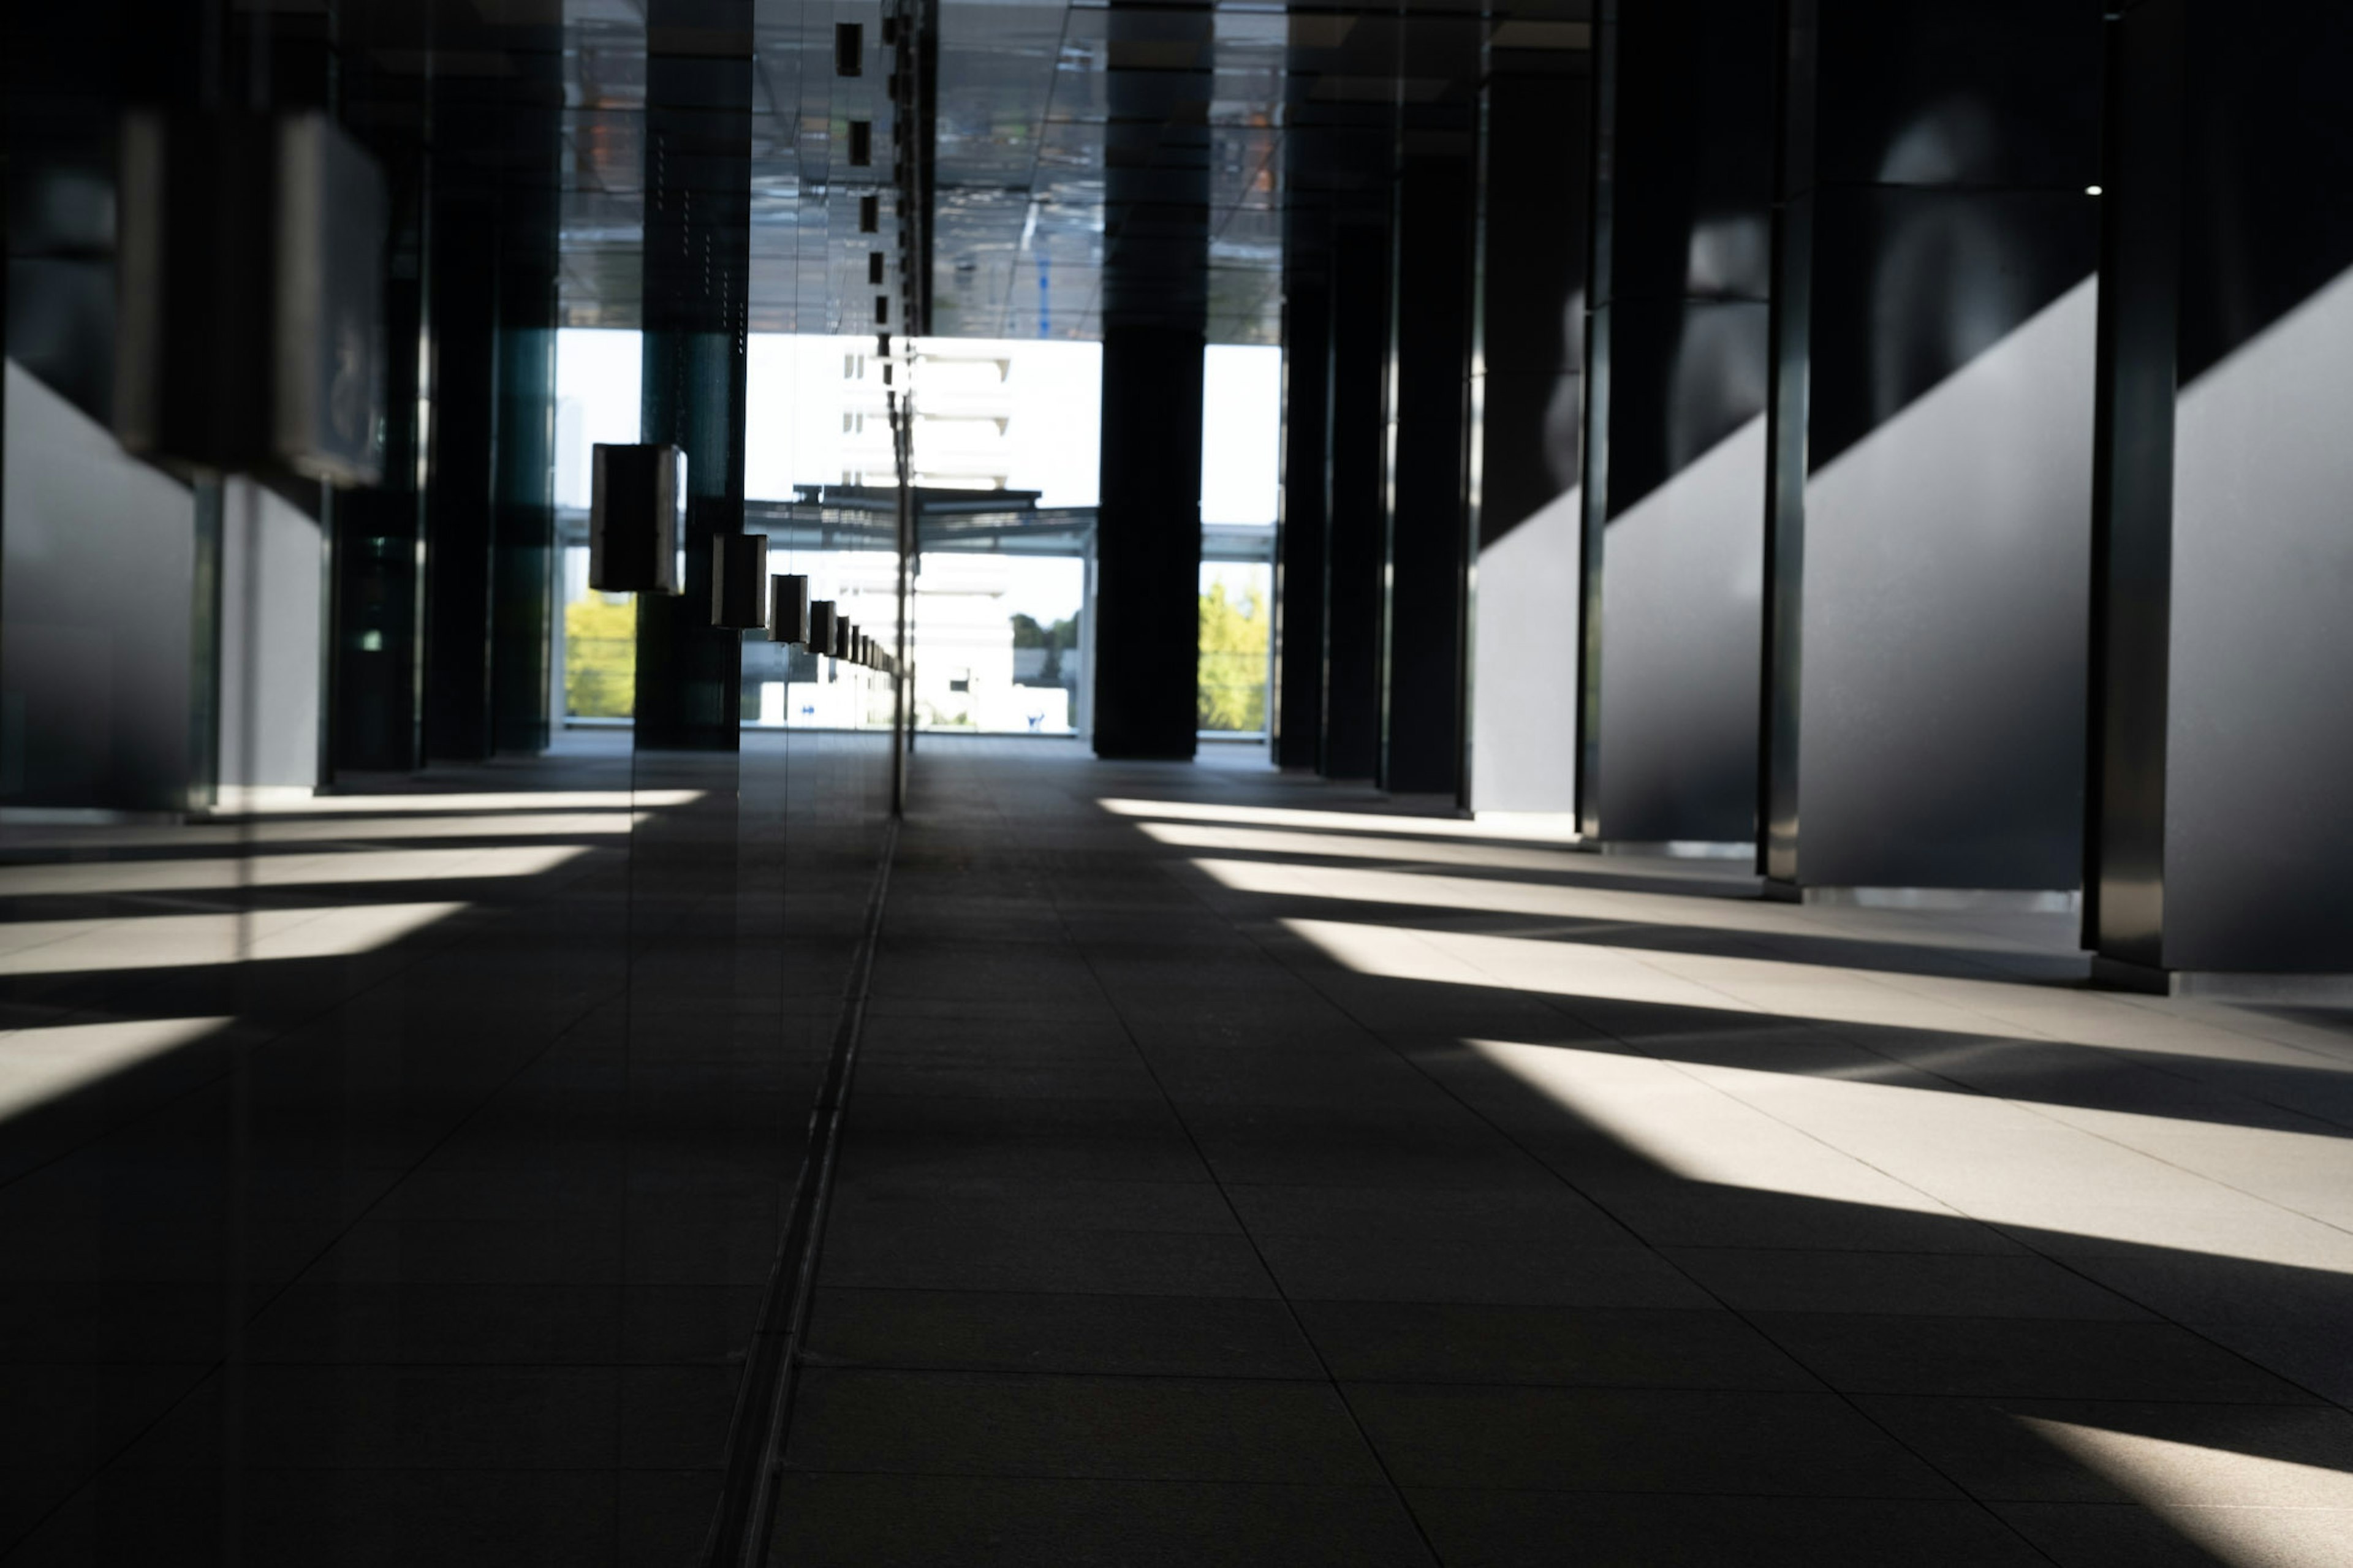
(1230, 1179)
(457, 1259)
(1239, 1170)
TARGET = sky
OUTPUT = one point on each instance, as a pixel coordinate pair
(798, 395)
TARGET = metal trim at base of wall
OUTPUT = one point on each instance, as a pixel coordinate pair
(2013, 900)
(2222, 985)
(762, 1417)
(1675, 849)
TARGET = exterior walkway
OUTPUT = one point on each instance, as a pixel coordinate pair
(1239, 1172)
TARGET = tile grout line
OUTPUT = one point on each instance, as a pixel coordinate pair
(1274, 956)
(1331, 1378)
(761, 1420)
(1836, 1030)
(129, 1442)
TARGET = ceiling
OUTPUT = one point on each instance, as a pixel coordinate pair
(1288, 108)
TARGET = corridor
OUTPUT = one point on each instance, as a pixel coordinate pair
(1242, 1168)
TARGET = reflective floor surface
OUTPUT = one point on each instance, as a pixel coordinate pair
(392, 1177)
(1238, 1169)
(1241, 1169)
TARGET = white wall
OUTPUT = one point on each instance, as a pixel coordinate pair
(1523, 690)
(1241, 433)
(272, 597)
(96, 592)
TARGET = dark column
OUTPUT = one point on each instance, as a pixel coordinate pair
(1674, 488)
(1299, 549)
(698, 261)
(377, 654)
(1426, 541)
(2223, 741)
(1932, 445)
(1528, 401)
(1154, 311)
(439, 612)
(462, 438)
(109, 633)
(522, 554)
(372, 716)
(1352, 560)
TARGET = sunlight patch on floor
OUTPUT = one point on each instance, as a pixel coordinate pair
(1571, 968)
(169, 941)
(1329, 821)
(1364, 846)
(2251, 1510)
(2061, 1173)
(330, 830)
(1568, 965)
(519, 800)
(40, 1065)
(1502, 896)
(348, 866)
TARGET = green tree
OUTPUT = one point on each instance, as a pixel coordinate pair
(1231, 684)
(600, 657)
(1057, 639)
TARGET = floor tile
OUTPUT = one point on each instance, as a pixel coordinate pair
(2019, 1358)
(1126, 1428)
(1925, 1283)
(913, 1522)
(1169, 1336)
(1002, 1256)
(1636, 1440)
(1410, 1342)
(1350, 1268)
(1480, 1529)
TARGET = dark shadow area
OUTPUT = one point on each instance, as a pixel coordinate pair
(2256, 151)
(1133, 1168)
(2230, 1359)
(469, 1219)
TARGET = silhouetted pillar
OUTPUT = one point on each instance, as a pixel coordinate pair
(1527, 402)
(462, 336)
(374, 712)
(523, 542)
(490, 245)
(1426, 538)
(1299, 528)
(2222, 738)
(1932, 445)
(698, 261)
(1352, 556)
(1675, 476)
(1156, 281)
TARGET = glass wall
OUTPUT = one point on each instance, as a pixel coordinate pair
(1237, 613)
(1006, 446)
(1241, 390)
(599, 375)
(999, 645)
